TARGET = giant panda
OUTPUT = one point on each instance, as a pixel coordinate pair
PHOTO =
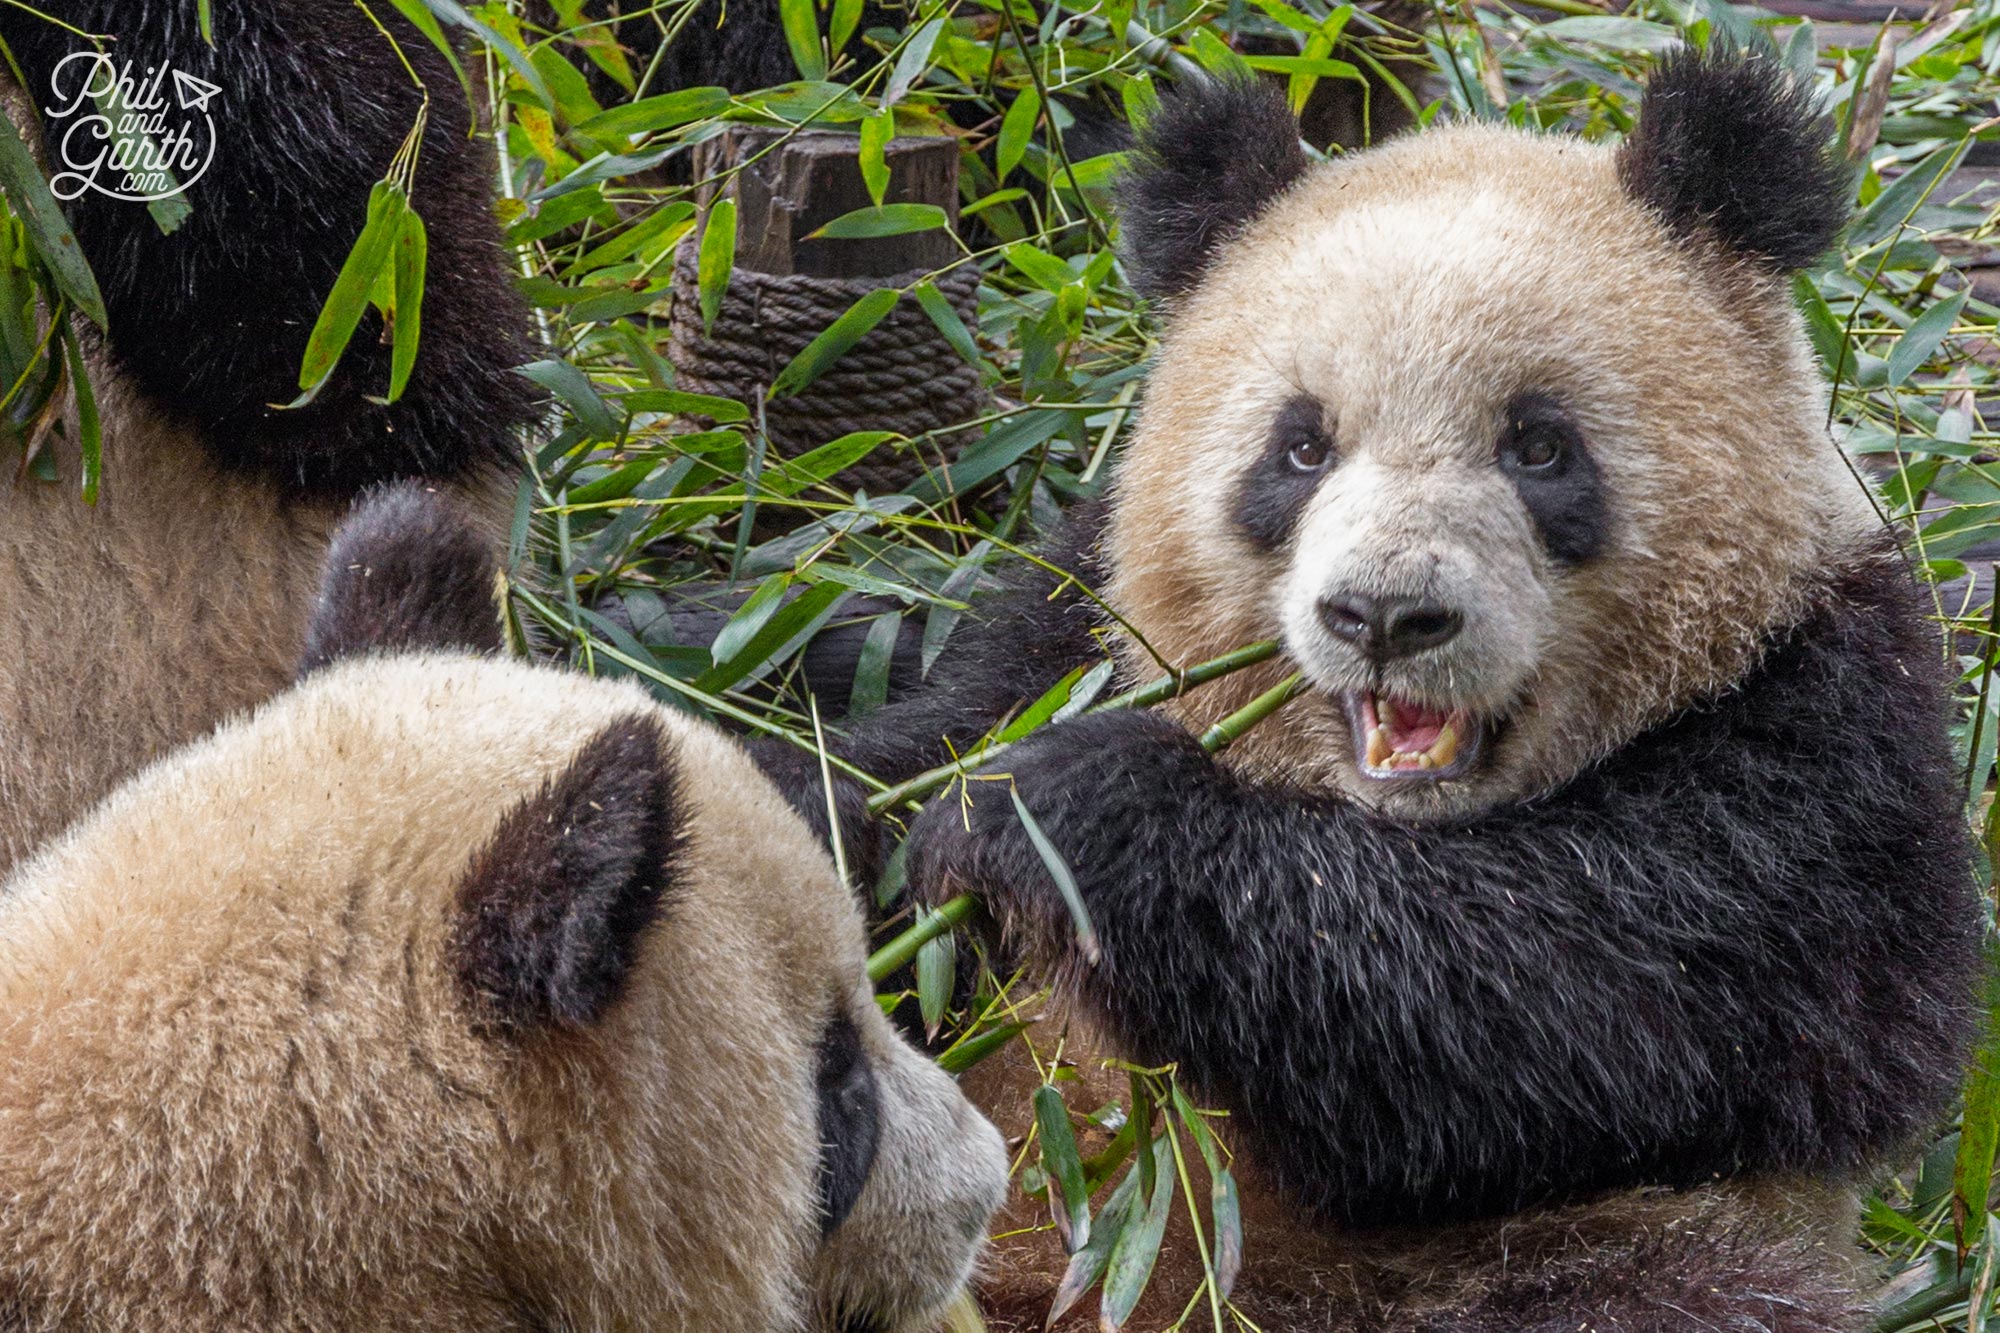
(1603, 912)
(132, 625)
(452, 992)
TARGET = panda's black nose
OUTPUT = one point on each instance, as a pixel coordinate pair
(1386, 627)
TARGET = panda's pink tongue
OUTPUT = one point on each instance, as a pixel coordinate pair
(1410, 728)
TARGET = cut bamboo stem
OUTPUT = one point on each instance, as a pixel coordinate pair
(1217, 738)
(1159, 691)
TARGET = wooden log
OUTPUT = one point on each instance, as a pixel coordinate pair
(789, 184)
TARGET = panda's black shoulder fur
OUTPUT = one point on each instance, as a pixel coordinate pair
(1214, 156)
(1748, 940)
(1730, 147)
(210, 322)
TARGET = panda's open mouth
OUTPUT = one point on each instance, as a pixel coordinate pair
(1403, 741)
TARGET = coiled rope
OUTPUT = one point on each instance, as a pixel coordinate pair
(903, 376)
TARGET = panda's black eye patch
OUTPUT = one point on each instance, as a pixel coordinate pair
(1542, 451)
(1296, 457)
(850, 1112)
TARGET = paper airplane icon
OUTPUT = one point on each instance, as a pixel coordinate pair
(194, 93)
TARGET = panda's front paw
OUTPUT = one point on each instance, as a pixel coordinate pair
(1083, 782)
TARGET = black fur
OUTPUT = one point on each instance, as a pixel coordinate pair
(740, 46)
(1566, 499)
(1214, 156)
(211, 321)
(850, 1121)
(1730, 147)
(1747, 940)
(1273, 494)
(406, 572)
(552, 910)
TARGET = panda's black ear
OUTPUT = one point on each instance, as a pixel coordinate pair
(1213, 157)
(551, 912)
(407, 571)
(1731, 148)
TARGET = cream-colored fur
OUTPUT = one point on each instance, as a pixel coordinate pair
(136, 624)
(1414, 289)
(239, 1088)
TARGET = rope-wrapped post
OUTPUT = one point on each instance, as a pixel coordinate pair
(786, 289)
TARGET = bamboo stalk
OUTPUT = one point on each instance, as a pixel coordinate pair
(1219, 737)
(899, 951)
(1145, 696)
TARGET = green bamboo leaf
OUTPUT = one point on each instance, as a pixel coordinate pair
(47, 228)
(1086, 932)
(1923, 337)
(1827, 334)
(1895, 204)
(1225, 1205)
(1041, 267)
(947, 321)
(1226, 1214)
(882, 220)
(578, 394)
(912, 63)
(937, 966)
(871, 669)
(90, 428)
(792, 475)
(1324, 69)
(1086, 1266)
(1016, 127)
(717, 258)
(1069, 1202)
(1979, 1132)
(454, 13)
(802, 35)
(412, 248)
(1042, 709)
(338, 318)
(205, 21)
(426, 23)
(752, 616)
(798, 621)
(814, 358)
(677, 402)
(876, 131)
(1130, 1266)
(665, 112)
(846, 18)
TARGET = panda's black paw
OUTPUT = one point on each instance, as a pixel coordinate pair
(1084, 783)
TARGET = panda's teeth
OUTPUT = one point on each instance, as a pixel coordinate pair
(1445, 749)
(1378, 746)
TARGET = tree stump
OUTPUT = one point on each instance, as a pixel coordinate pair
(786, 289)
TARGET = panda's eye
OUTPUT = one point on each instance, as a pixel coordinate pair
(1309, 454)
(1534, 444)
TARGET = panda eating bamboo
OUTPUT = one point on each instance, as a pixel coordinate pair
(454, 993)
(1603, 913)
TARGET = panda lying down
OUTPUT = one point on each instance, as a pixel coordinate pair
(1617, 849)
(452, 993)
